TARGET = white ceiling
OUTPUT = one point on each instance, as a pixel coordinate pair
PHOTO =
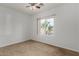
(21, 7)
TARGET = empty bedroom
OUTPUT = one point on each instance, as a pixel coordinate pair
(39, 29)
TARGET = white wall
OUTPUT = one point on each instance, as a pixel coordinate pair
(14, 26)
(66, 27)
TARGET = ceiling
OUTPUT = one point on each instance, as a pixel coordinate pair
(21, 7)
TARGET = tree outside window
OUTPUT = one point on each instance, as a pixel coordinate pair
(47, 26)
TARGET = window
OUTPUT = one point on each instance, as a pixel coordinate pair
(46, 26)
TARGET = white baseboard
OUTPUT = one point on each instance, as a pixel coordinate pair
(14, 42)
(57, 45)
